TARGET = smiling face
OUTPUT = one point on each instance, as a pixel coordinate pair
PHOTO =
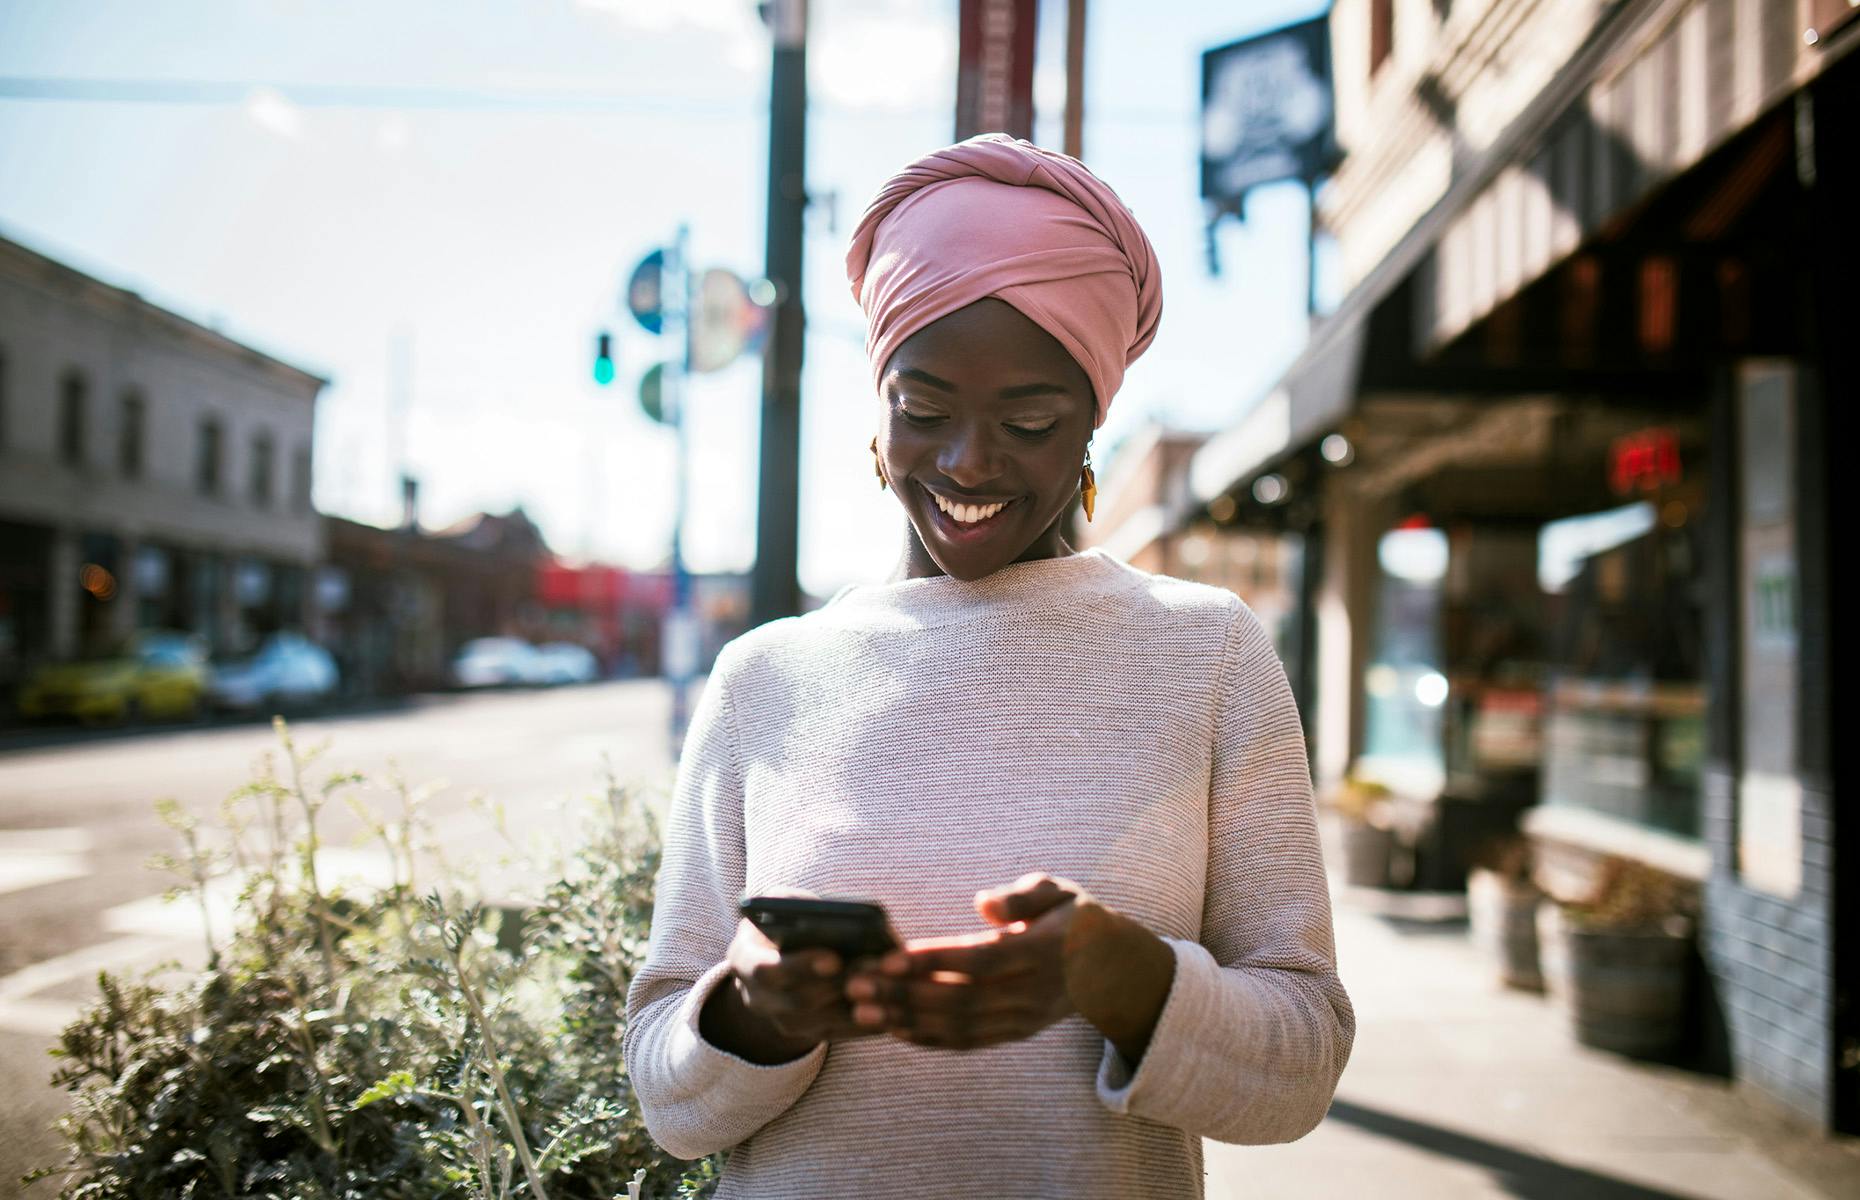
(985, 427)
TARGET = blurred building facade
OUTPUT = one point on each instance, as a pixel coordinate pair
(395, 605)
(1560, 464)
(1141, 490)
(620, 614)
(153, 472)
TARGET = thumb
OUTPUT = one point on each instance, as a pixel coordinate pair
(1023, 900)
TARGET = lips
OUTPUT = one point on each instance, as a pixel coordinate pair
(962, 520)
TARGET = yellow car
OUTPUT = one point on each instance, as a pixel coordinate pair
(150, 674)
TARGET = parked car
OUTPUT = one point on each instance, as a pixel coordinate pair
(565, 662)
(153, 673)
(289, 670)
(497, 662)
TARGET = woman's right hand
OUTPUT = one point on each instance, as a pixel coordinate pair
(775, 1007)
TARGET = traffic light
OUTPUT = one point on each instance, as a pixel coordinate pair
(604, 359)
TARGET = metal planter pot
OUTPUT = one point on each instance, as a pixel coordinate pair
(1625, 989)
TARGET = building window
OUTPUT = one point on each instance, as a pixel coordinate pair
(129, 435)
(259, 485)
(207, 465)
(300, 479)
(1381, 33)
(71, 401)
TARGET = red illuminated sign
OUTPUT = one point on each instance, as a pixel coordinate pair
(1644, 462)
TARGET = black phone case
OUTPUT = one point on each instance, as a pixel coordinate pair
(849, 928)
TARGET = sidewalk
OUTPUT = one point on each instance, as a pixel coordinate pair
(1460, 1088)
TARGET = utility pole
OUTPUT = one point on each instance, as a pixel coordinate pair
(1075, 146)
(775, 588)
(1075, 79)
(679, 637)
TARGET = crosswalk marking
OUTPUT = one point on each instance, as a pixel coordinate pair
(32, 858)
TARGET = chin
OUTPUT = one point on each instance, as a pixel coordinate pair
(966, 565)
(970, 571)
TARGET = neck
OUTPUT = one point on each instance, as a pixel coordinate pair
(917, 563)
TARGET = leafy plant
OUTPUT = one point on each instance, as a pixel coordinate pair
(1359, 801)
(1630, 896)
(396, 1042)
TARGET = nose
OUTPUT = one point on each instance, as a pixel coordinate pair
(968, 459)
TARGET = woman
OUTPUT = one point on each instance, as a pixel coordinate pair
(1079, 789)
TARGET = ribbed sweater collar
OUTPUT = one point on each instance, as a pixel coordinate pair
(1018, 587)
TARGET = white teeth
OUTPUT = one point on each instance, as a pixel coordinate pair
(967, 514)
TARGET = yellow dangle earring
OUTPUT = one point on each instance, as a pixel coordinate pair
(1088, 486)
(878, 465)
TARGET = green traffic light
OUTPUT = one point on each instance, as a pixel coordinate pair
(604, 359)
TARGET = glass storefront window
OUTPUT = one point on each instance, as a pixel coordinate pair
(1624, 704)
(1405, 688)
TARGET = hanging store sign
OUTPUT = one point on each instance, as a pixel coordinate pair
(994, 68)
(1266, 111)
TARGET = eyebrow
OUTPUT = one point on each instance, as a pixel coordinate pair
(1027, 390)
(925, 377)
(1019, 392)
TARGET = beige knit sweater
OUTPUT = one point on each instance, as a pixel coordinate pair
(916, 742)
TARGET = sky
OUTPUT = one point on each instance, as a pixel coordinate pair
(436, 203)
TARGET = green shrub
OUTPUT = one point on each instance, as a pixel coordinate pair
(394, 1043)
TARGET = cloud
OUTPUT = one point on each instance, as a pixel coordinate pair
(853, 56)
(392, 133)
(269, 109)
(746, 41)
(714, 16)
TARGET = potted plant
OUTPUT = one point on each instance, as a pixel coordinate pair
(1502, 901)
(1367, 833)
(1620, 957)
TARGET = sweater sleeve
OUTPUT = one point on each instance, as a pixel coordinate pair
(695, 1098)
(1256, 1028)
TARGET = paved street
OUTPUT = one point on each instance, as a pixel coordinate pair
(77, 826)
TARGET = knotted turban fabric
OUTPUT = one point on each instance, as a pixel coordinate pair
(995, 216)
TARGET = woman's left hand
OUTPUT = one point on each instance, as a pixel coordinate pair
(1054, 951)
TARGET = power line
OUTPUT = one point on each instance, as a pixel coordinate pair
(326, 95)
(444, 99)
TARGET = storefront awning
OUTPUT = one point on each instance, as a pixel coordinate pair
(1594, 143)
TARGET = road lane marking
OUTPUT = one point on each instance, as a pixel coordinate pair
(65, 967)
(154, 929)
(21, 871)
(32, 858)
(62, 840)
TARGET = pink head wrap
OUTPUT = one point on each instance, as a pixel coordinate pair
(995, 216)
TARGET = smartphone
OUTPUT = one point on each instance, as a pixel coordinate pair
(850, 928)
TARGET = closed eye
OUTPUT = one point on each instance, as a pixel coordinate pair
(1033, 431)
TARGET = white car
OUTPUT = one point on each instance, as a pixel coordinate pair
(498, 662)
(565, 662)
(288, 670)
